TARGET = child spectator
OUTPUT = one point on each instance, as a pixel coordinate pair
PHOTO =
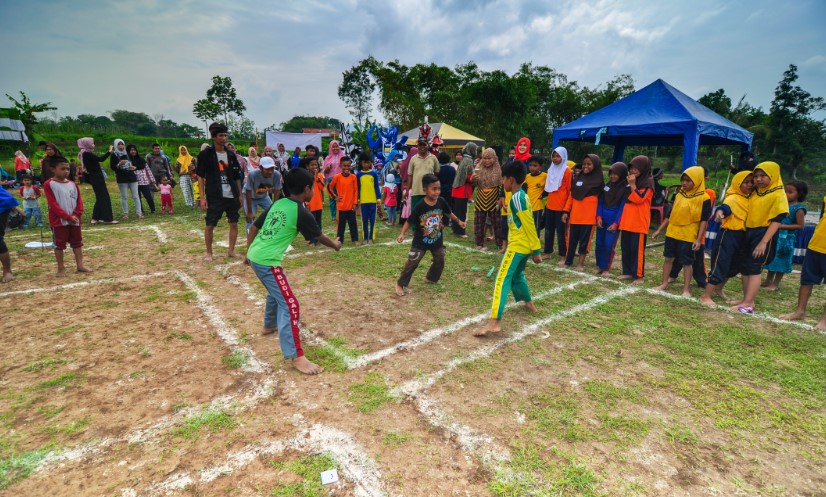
(725, 254)
(22, 166)
(390, 200)
(426, 219)
(636, 219)
(581, 210)
(523, 243)
(166, 195)
(558, 188)
(146, 181)
(369, 194)
(813, 272)
(535, 188)
(767, 208)
(317, 202)
(796, 192)
(31, 206)
(65, 210)
(686, 227)
(344, 188)
(698, 267)
(278, 227)
(609, 211)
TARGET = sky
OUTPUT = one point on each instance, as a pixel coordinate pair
(286, 58)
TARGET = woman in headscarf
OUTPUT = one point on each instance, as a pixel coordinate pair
(523, 149)
(636, 219)
(558, 188)
(126, 178)
(462, 186)
(22, 165)
(581, 210)
(331, 167)
(52, 159)
(768, 206)
(186, 166)
(609, 213)
(252, 157)
(404, 198)
(282, 159)
(102, 212)
(487, 181)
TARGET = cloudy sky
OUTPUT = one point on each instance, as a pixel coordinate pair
(286, 58)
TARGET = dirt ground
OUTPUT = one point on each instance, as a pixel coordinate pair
(143, 378)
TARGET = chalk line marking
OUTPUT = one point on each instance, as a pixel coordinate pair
(433, 334)
(414, 387)
(217, 243)
(258, 392)
(80, 284)
(351, 459)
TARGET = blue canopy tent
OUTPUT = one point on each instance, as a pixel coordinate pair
(658, 114)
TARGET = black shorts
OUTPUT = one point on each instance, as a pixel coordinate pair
(726, 255)
(679, 250)
(750, 265)
(216, 207)
(813, 271)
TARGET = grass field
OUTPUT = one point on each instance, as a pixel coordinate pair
(149, 377)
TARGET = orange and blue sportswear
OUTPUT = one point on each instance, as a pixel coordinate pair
(557, 200)
(346, 187)
(582, 211)
(636, 216)
(317, 202)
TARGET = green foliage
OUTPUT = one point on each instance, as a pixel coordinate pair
(222, 100)
(308, 469)
(371, 394)
(297, 123)
(214, 420)
(235, 361)
(17, 467)
(27, 111)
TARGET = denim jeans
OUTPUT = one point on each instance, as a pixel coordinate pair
(125, 189)
(263, 203)
(33, 212)
(281, 310)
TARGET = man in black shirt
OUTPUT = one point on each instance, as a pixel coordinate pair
(219, 180)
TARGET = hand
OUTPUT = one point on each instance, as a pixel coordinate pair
(537, 259)
(339, 198)
(246, 261)
(565, 217)
(132, 168)
(337, 246)
(612, 228)
(111, 147)
(203, 203)
(655, 235)
(696, 246)
(718, 216)
(760, 250)
(250, 216)
(74, 220)
(632, 180)
(400, 239)
(599, 222)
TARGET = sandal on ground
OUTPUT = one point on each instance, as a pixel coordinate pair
(93, 221)
(744, 309)
(112, 222)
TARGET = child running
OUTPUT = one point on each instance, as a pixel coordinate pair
(767, 208)
(65, 210)
(813, 272)
(732, 216)
(686, 227)
(636, 219)
(344, 189)
(523, 242)
(31, 206)
(426, 218)
(581, 211)
(609, 212)
(796, 192)
(369, 195)
(390, 201)
(268, 239)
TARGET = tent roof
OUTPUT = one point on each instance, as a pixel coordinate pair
(658, 114)
(452, 137)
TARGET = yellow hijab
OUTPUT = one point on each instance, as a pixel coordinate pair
(767, 203)
(736, 199)
(687, 212)
(184, 159)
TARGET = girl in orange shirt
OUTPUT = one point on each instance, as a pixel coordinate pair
(636, 219)
(581, 210)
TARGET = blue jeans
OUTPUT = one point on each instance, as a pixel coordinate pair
(38, 217)
(368, 220)
(264, 203)
(281, 310)
(391, 214)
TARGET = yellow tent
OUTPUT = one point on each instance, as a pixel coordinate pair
(453, 138)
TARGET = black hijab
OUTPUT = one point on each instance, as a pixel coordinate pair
(615, 193)
(643, 165)
(585, 185)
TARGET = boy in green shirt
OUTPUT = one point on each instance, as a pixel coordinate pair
(267, 242)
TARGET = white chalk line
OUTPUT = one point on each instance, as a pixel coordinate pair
(433, 334)
(217, 243)
(80, 284)
(258, 392)
(350, 458)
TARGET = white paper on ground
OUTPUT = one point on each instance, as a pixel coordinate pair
(39, 245)
(328, 477)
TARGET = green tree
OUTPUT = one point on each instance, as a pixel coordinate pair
(241, 128)
(135, 123)
(27, 111)
(206, 111)
(356, 89)
(224, 98)
(717, 101)
(297, 123)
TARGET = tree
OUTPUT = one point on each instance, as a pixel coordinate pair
(241, 128)
(224, 98)
(717, 101)
(28, 110)
(136, 123)
(297, 123)
(205, 111)
(356, 89)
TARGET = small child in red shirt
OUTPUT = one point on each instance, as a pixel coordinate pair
(390, 201)
(65, 210)
(166, 196)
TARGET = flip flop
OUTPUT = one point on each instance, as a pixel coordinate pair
(744, 309)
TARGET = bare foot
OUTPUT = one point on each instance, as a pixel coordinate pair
(734, 302)
(720, 294)
(821, 325)
(580, 269)
(268, 331)
(561, 263)
(61, 274)
(707, 301)
(208, 257)
(7, 277)
(492, 326)
(625, 277)
(480, 247)
(545, 257)
(232, 255)
(357, 242)
(764, 284)
(671, 280)
(84, 269)
(638, 282)
(770, 288)
(794, 316)
(501, 251)
(306, 366)
(399, 290)
(531, 307)
(605, 274)
(687, 294)
(661, 288)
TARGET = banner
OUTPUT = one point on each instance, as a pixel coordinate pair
(292, 140)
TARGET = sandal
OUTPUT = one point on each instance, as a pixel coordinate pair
(113, 222)
(744, 309)
(93, 221)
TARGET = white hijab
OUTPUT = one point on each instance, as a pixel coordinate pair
(556, 173)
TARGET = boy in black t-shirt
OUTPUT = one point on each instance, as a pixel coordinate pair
(426, 217)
